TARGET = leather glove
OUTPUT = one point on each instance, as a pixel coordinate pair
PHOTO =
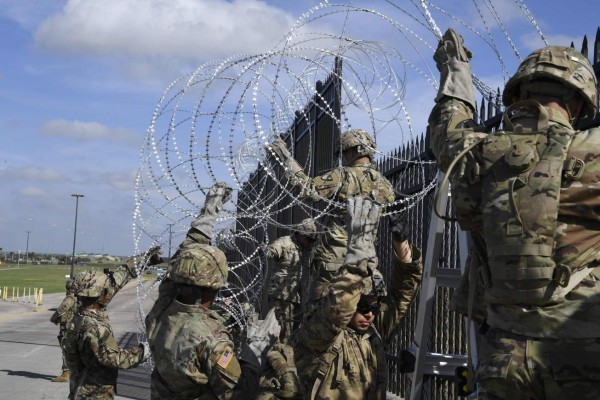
(145, 347)
(452, 60)
(260, 336)
(144, 260)
(279, 149)
(362, 222)
(217, 196)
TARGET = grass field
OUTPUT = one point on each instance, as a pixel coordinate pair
(49, 277)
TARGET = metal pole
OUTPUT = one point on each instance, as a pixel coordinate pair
(77, 196)
(27, 249)
(170, 234)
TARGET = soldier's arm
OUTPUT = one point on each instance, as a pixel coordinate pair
(334, 312)
(65, 308)
(406, 277)
(450, 127)
(100, 344)
(275, 249)
(229, 378)
(451, 119)
(317, 188)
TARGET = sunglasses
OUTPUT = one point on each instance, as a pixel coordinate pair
(365, 308)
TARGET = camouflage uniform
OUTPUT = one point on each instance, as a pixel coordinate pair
(280, 379)
(549, 350)
(193, 354)
(285, 290)
(338, 185)
(91, 351)
(94, 357)
(63, 316)
(337, 362)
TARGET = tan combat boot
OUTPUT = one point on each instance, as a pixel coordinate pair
(64, 377)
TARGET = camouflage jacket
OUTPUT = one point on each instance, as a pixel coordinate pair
(193, 354)
(93, 356)
(65, 312)
(337, 186)
(290, 263)
(352, 365)
(120, 277)
(576, 241)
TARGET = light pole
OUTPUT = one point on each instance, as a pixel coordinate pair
(27, 249)
(170, 234)
(77, 196)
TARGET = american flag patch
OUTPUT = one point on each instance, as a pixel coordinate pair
(225, 357)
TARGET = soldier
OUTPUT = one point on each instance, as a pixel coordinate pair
(339, 348)
(291, 256)
(91, 351)
(194, 354)
(528, 195)
(357, 176)
(62, 317)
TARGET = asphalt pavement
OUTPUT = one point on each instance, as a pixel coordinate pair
(30, 355)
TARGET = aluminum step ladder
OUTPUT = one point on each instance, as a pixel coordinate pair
(427, 363)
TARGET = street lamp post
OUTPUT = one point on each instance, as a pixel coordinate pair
(77, 196)
(170, 234)
(27, 249)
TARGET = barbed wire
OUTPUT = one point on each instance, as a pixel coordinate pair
(212, 124)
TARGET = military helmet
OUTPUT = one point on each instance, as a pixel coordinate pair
(70, 285)
(360, 139)
(200, 265)
(90, 283)
(565, 65)
(375, 285)
(307, 228)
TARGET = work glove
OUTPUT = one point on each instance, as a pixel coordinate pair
(145, 348)
(452, 60)
(217, 196)
(280, 150)
(150, 257)
(362, 222)
(260, 336)
(398, 226)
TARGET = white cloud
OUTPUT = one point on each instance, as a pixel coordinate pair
(157, 28)
(533, 41)
(31, 191)
(89, 131)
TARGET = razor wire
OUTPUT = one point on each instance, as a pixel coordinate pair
(213, 124)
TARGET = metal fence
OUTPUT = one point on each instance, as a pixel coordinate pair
(314, 134)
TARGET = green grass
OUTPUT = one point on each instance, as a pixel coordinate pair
(49, 277)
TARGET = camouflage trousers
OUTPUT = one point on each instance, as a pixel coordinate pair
(519, 368)
(61, 338)
(288, 315)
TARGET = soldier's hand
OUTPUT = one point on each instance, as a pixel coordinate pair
(153, 256)
(217, 196)
(362, 219)
(452, 60)
(279, 148)
(399, 226)
(260, 336)
(451, 47)
(362, 222)
(145, 348)
(145, 259)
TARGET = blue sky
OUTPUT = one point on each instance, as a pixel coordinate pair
(80, 80)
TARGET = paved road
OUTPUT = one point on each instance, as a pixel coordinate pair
(30, 355)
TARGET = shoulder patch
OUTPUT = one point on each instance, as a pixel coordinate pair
(225, 357)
